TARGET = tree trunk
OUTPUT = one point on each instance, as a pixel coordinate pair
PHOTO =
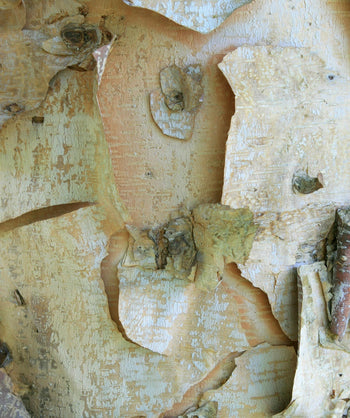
(170, 176)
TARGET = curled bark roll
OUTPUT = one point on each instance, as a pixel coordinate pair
(341, 289)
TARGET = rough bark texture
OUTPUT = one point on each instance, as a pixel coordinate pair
(341, 290)
(143, 276)
(290, 112)
(11, 405)
(322, 375)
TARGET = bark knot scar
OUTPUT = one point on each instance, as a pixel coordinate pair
(304, 184)
(174, 106)
(78, 37)
(13, 108)
(175, 245)
(181, 87)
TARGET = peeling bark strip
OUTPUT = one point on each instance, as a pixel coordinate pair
(41, 214)
(341, 292)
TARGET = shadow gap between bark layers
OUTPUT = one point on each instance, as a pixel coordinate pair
(117, 247)
(217, 377)
(255, 313)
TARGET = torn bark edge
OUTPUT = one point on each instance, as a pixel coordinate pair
(216, 378)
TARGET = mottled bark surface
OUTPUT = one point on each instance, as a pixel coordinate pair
(11, 405)
(147, 276)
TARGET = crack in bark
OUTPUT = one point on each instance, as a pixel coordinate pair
(117, 247)
(255, 313)
(42, 214)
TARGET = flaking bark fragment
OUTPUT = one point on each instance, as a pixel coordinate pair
(33, 57)
(305, 184)
(174, 107)
(181, 88)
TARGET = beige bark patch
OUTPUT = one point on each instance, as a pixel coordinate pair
(291, 113)
(45, 164)
(30, 58)
(12, 15)
(79, 362)
(247, 393)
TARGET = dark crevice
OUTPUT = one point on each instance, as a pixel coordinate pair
(19, 298)
(42, 214)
